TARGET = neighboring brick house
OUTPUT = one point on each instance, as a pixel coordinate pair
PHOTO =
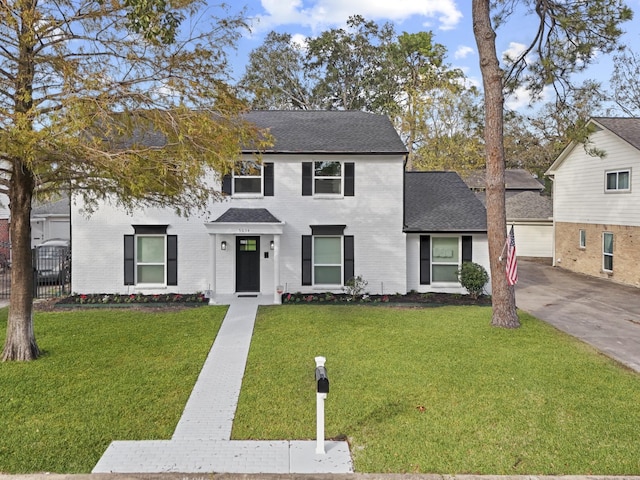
(326, 204)
(529, 210)
(597, 202)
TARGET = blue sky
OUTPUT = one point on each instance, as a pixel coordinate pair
(449, 20)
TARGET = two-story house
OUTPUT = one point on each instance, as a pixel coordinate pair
(597, 202)
(326, 203)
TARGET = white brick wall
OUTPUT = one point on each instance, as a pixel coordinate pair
(373, 216)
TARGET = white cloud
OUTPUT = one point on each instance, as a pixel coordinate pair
(514, 51)
(320, 14)
(463, 51)
(299, 40)
(521, 98)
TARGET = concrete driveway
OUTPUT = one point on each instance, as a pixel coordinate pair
(601, 313)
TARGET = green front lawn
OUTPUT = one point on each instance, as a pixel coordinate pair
(439, 390)
(105, 375)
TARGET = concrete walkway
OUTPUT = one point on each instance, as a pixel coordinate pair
(202, 441)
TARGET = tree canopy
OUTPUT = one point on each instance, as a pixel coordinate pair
(124, 99)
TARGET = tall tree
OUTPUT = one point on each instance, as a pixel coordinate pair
(347, 63)
(624, 80)
(109, 99)
(277, 76)
(566, 37)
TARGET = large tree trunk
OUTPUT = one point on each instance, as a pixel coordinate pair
(20, 343)
(503, 295)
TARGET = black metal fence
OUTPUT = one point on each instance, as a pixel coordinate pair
(51, 267)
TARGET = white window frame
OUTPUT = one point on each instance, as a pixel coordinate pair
(617, 174)
(139, 263)
(239, 176)
(315, 177)
(582, 238)
(607, 254)
(314, 264)
(458, 264)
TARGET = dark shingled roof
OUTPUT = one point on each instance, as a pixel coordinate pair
(333, 131)
(247, 215)
(514, 179)
(56, 207)
(441, 202)
(526, 205)
(626, 128)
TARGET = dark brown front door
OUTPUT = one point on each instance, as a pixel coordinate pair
(247, 264)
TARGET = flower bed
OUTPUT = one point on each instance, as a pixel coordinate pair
(132, 299)
(413, 298)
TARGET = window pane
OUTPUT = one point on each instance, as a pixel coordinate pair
(583, 238)
(248, 245)
(327, 251)
(328, 169)
(608, 243)
(248, 185)
(444, 249)
(328, 186)
(608, 262)
(248, 168)
(623, 180)
(151, 250)
(150, 273)
(445, 273)
(327, 275)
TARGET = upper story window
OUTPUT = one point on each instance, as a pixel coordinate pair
(248, 178)
(327, 178)
(618, 181)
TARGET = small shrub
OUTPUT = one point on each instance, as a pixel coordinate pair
(355, 287)
(473, 277)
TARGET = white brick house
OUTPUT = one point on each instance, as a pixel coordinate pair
(325, 204)
(596, 209)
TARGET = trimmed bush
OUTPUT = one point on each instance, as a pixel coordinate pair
(473, 277)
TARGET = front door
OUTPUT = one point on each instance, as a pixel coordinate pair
(247, 264)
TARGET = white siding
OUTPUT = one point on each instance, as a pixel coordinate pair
(579, 184)
(373, 216)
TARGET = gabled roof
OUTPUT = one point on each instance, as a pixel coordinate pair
(514, 179)
(526, 205)
(626, 128)
(247, 215)
(441, 202)
(332, 131)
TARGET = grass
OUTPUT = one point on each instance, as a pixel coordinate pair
(105, 375)
(441, 391)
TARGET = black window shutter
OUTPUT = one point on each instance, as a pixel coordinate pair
(306, 259)
(172, 260)
(129, 260)
(349, 179)
(226, 184)
(467, 248)
(267, 171)
(349, 271)
(425, 260)
(307, 179)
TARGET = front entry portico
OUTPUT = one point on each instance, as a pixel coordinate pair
(244, 253)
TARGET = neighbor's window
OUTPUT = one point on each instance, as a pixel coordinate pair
(327, 260)
(618, 181)
(248, 178)
(150, 259)
(445, 259)
(607, 251)
(583, 238)
(327, 178)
